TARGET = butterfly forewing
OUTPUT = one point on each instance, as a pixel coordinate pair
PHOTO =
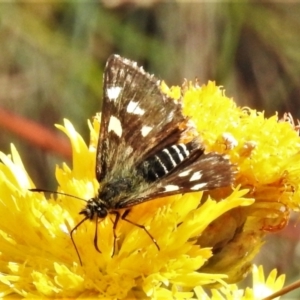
(137, 118)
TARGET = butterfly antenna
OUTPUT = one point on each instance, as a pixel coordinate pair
(57, 193)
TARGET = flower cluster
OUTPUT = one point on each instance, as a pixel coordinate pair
(199, 255)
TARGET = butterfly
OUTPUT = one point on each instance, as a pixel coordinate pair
(147, 148)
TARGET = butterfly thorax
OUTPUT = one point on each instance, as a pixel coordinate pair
(117, 188)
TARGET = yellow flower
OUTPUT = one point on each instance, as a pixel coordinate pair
(196, 250)
(266, 151)
(261, 288)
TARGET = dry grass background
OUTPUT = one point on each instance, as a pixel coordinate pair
(52, 55)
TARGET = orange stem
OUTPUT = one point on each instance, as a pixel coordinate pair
(35, 133)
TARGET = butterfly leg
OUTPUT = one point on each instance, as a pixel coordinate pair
(72, 239)
(96, 236)
(123, 217)
(114, 230)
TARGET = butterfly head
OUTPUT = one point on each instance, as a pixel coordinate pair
(95, 208)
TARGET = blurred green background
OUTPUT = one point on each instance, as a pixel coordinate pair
(52, 55)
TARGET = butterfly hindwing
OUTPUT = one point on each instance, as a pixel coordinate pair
(209, 171)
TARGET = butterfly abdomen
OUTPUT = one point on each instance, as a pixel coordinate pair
(165, 161)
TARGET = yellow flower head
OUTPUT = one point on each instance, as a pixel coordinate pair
(206, 239)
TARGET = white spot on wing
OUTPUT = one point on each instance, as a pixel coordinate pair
(171, 187)
(133, 108)
(115, 126)
(113, 92)
(198, 186)
(196, 176)
(145, 130)
(184, 173)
